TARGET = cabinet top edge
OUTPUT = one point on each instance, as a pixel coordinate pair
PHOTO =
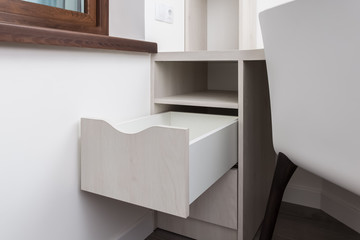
(234, 55)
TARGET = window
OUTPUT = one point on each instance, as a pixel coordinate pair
(73, 5)
(28, 22)
(93, 20)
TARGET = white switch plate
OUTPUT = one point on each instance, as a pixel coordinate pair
(164, 13)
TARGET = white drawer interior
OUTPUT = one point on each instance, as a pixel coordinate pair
(199, 125)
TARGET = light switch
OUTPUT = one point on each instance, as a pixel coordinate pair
(164, 13)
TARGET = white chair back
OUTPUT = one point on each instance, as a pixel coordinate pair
(312, 49)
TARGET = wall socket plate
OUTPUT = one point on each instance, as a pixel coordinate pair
(164, 13)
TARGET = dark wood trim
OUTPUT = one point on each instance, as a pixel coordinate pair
(102, 17)
(94, 20)
(48, 36)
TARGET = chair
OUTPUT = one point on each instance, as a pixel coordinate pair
(313, 61)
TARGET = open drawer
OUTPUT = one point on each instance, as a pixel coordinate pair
(162, 162)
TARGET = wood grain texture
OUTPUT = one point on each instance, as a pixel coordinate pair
(212, 147)
(190, 153)
(223, 25)
(223, 75)
(135, 168)
(193, 228)
(198, 25)
(94, 20)
(195, 25)
(257, 160)
(193, 78)
(247, 24)
(47, 36)
(216, 99)
(218, 205)
(174, 78)
(256, 156)
(201, 56)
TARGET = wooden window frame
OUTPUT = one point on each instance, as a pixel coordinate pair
(28, 22)
(93, 20)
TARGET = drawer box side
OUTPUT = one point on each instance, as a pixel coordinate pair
(211, 158)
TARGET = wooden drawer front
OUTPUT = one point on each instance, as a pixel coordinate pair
(218, 204)
(162, 162)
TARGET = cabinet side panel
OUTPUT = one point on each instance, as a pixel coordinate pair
(259, 155)
(241, 151)
(248, 24)
(148, 169)
(195, 25)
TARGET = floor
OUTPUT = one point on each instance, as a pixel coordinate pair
(295, 222)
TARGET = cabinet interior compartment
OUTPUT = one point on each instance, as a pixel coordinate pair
(194, 109)
(196, 83)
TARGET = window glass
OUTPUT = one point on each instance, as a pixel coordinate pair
(73, 5)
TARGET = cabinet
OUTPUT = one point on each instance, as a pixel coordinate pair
(221, 100)
(222, 82)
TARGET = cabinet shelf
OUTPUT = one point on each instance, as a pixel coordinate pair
(211, 98)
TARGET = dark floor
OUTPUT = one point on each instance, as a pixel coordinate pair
(160, 234)
(295, 222)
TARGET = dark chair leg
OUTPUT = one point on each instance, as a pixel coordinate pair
(283, 172)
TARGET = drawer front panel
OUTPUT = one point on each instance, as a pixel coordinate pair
(149, 169)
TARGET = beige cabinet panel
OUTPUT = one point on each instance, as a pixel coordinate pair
(218, 205)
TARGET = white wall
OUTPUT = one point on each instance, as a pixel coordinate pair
(44, 91)
(137, 21)
(127, 19)
(169, 37)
